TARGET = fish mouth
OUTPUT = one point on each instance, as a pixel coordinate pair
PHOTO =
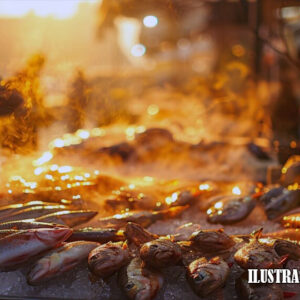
(36, 275)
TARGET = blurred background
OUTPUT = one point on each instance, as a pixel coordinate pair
(202, 69)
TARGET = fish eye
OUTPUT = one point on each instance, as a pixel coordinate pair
(154, 246)
(200, 276)
(129, 286)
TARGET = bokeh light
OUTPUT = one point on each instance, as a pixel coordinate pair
(150, 21)
(138, 50)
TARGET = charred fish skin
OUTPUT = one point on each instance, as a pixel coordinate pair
(138, 282)
(59, 261)
(17, 248)
(27, 224)
(100, 235)
(68, 217)
(106, 259)
(136, 234)
(211, 240)
(160, 253)
(207, 276)
(252, 291)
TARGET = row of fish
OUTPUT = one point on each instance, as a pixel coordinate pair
(139, 256)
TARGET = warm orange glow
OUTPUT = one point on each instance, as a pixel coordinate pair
(47, 8)
(152, 110)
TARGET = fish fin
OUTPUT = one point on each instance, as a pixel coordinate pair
(289, 294)
(125, 245)
(257, 234)
(283, 259)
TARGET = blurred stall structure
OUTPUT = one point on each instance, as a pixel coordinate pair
(277, 52)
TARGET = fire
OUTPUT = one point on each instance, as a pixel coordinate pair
(236, 190)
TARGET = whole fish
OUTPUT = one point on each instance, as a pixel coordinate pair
(211, 240)
(27, 224)
(138, 282)
(19, 247)
(283, 247)
(136, 234)
(32, 212)
(108, 258)
(258, 255)
(271, 193)
(12, 209)
(284, 242)
(230, 210)
(68, 217)
(59, 261)
(282, 203)
(143, 218)
(160, 253)
(207, 276)
(100, 235)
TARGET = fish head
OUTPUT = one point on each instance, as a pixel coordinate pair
(53, 236)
